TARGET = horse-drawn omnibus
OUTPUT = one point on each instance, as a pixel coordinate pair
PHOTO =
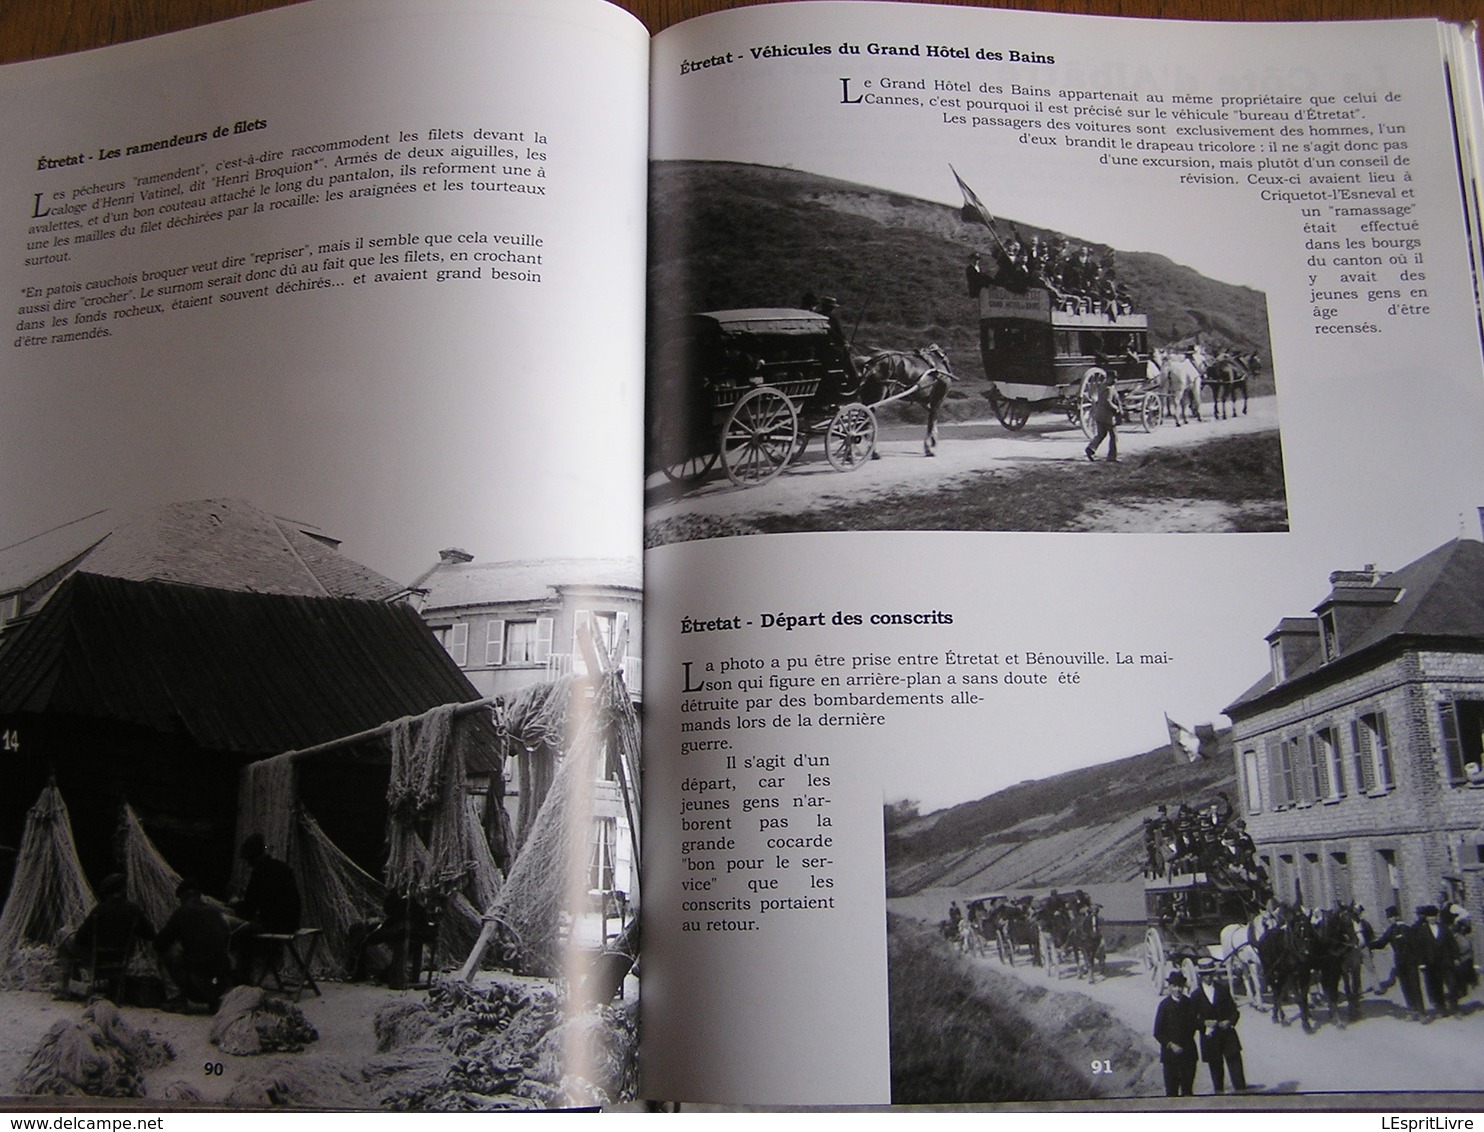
(1040, 354)
(1187, 917)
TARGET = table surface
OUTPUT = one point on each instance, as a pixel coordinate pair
(30, 29)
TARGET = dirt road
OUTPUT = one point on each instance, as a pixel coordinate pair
(967, 451)
(1383, 1052)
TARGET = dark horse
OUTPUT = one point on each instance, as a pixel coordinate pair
(1286, 954)
(1341, 936)
(921, 377)
(1057, 942)
(1227, 376)
(1087, 936)
(1013, 926)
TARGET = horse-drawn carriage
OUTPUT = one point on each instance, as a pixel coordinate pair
(750, 387)
(1191, 916)
(1042, 355)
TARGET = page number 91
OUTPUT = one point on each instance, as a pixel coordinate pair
(1102, 1066)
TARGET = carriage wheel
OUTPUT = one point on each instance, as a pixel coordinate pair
(1151, 412)
(1155, 961)
(758, 438)
(851, 437)
(1086, 395)
(1011, 414)
(690, 471)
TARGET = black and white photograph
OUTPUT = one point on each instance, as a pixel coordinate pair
(959, 367)
(1279, 899)
(320, 653)
(270, 807)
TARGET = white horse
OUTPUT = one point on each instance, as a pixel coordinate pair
(1180, 378)
(1238, 954)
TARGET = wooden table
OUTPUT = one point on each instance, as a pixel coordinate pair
(33, 28)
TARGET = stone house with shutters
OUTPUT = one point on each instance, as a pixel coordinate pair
(510, 625)
(1359, 754)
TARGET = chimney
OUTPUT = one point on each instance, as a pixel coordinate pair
(1367, 575)
(454, 556)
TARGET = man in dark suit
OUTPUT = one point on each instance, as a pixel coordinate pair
(269, 904)
(1405, 961)
(1438, 953)
(193, 948)
(1177, 1021)
(1221, 1048)
(108, 932)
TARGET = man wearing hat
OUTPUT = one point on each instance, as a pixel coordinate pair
(1438, 952)
(1405, 949)
(1221, 1048)
(1177, 1021)
(109, 929)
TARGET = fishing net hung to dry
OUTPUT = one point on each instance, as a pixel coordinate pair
(151, 880)
(547, 887)
(547, 884)
(268, 805)
(438, 854)
(335, 893)
(435, 843)
(49, 894)
(536, 730)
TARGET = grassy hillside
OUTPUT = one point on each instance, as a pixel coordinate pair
(1080, 828)
(727, 235)
(964, 1033)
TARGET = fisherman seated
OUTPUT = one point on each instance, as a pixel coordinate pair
(104, 942)
(391, 950)
(193, 946)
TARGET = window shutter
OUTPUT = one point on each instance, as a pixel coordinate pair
(1316, 779)
(1365, 769)
(494, 642)
(1334, 761)
(544, 630)
(1278, 784)
(1252, 782)
(1452, 747)
(581, 620)
(458, 642)
(1385, 775)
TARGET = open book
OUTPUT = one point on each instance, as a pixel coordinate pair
(396, 394)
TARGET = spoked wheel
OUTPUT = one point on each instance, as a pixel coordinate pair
(1011, 413)
(758, 438)
(1156, 963)
(1091, 380)
(851, 437)
(1151, 412)
(691, 470)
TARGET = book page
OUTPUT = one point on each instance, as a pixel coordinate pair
(1112, 391)
(320, 560)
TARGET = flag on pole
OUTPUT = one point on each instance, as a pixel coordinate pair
(973, 210)
(1183, 745)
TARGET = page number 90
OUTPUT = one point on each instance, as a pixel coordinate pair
(1102, 1066)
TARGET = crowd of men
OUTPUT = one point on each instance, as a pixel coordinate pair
(1079, 279)
(1432, 953)
(1207, 839)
